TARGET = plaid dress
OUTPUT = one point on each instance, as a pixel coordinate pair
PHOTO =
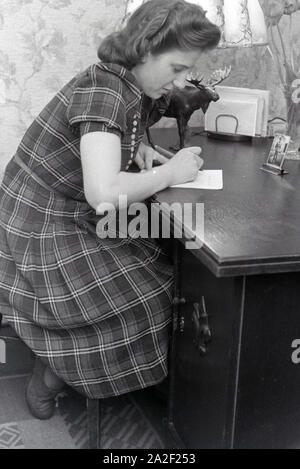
(97, 311)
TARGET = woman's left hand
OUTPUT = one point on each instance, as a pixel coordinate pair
(146, 155)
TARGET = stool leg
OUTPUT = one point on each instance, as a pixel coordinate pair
(94, 423)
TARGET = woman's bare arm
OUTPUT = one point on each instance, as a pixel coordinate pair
(104, 181)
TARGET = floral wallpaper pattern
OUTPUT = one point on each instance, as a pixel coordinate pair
(43, 43)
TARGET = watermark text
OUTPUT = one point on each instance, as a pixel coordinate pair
(296, 353)
(156, 220)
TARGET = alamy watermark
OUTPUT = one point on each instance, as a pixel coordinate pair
(296, 354)
(156, 220)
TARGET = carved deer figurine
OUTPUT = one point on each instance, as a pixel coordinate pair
(191, 98)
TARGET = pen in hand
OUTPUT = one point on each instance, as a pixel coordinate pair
(167, 154)
(164, 152)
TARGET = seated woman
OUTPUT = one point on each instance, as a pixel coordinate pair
(96, 311)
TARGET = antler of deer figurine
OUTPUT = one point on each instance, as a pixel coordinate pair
(188, 100)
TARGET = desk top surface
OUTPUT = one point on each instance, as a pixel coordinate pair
(252, 226)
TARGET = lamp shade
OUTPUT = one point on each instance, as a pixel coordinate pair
(242, 22)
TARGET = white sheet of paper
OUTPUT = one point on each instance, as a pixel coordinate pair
(206, 179)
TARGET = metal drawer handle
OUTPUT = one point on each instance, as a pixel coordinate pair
(203, 334)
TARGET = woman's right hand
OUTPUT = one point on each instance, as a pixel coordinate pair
(184, 165)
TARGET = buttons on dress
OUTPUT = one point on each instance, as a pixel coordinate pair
(133, 138)
(135, 120)
(129, 164)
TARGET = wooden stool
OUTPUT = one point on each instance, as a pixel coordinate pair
(93, 407)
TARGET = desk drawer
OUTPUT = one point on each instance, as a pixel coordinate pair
(205, 356)
(234, 382)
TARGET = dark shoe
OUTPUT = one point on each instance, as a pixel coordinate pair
(40, 399)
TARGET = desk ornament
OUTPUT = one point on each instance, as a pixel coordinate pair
(277, 155)
(196, 95)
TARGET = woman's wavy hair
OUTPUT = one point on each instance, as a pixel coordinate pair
(159, 26)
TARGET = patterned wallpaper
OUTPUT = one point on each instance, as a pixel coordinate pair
(43, 43)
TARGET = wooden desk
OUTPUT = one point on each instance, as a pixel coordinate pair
(241, 389)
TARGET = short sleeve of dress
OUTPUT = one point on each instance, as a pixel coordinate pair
(97, 103)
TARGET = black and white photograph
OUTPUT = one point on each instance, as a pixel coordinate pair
(278, 151)
(149, 260)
